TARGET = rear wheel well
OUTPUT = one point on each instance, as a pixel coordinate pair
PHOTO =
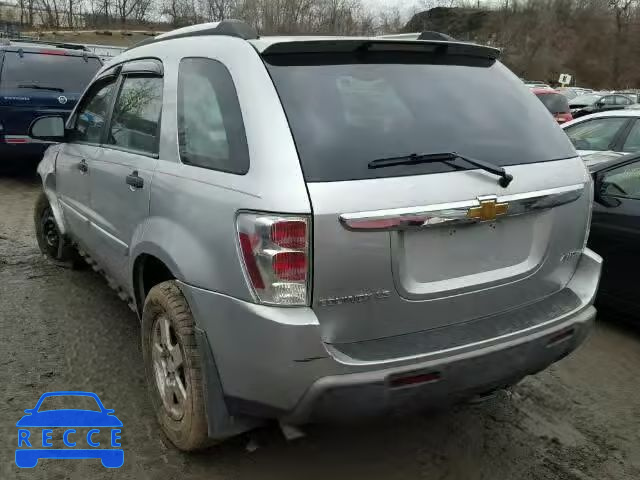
(148, 271)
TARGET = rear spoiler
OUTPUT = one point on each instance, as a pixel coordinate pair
(382, 45)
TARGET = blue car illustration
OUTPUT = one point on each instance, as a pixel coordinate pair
(31, 448)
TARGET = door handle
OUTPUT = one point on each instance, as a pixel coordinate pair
(82, 166)
(134, 181)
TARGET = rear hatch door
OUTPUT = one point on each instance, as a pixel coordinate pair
(41, 82)
(423, 246)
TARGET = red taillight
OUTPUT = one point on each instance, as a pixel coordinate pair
(250, 261)
(275, 253)
(290, 266)
(406, 380)
(289, 233)
(563, 117)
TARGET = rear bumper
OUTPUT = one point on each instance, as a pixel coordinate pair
(272, 362)
(22, 151)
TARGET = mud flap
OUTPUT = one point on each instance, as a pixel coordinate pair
(220, 423)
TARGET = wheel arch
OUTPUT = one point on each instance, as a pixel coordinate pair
(150, 268)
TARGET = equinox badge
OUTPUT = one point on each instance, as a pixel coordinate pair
(488, 210)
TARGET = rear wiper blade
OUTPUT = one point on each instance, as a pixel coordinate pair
(418, 158)
(40, 87)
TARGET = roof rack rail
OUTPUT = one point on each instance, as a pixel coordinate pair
(231, 28)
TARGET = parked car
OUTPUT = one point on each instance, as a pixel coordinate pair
(634, 96)
(582, 101)
(37, 79)
(573, 92)
(603, 104)
(618, 131)
(373, 246)
(568, 92)
(536, 84)
(593, 159)
(556, 103)
(615, 230)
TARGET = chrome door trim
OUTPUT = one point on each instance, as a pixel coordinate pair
(456, 213)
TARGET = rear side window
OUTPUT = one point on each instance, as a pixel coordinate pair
(210, 126)
(620, 100)
(346, 110)
(136, 115)
(64, 73)
(555, 102)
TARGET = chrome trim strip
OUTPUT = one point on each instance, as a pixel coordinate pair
(457, 212)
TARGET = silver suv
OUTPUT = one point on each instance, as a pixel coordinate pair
(322, 228)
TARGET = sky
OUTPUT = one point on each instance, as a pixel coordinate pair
(405, 6)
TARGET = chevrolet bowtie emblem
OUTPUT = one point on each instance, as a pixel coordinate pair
(488, 209)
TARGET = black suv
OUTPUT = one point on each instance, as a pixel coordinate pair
(38, 79)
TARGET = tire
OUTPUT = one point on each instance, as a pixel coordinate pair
(173, 367)
(52, 244)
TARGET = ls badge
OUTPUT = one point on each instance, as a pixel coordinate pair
(359, 298)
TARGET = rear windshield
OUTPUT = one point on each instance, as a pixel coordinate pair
(66, 72)
(346, 111)
(554, 102)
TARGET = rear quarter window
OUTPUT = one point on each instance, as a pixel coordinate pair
(210, 126)
(346, 111)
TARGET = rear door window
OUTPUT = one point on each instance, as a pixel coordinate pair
(596, 134)
(64, 73)
(346, 110)
(620, 100)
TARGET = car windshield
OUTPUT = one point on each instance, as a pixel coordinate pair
(554, 102)
(62, 72)
(64, 402)
(585, 99)
(380, 107)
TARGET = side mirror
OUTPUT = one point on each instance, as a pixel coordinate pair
(48, 129)
(29, 410)
(600, 195)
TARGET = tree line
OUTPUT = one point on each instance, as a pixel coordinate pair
(594, 40)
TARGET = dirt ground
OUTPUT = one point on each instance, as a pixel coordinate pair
(66, 330)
